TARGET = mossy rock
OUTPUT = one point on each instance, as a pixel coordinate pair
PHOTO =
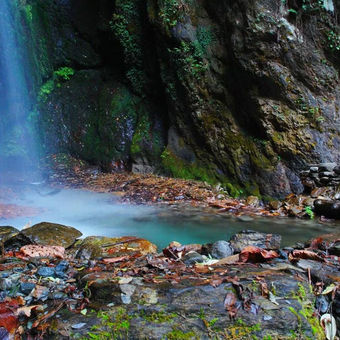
(52, 234)
(7, 232)
(99, 246)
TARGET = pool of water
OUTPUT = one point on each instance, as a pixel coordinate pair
(101, 214)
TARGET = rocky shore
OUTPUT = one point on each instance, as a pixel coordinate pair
(55, 285)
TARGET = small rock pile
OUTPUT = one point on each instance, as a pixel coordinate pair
(321, 175)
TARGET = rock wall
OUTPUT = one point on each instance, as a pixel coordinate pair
(244, 92)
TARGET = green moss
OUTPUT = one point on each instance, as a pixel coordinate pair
(181, 169)
(307, 312)
(127, 26)
(45, 90)
(113, 326)
(158, 317)
(240, 330)
(28, 12)
(177, 334)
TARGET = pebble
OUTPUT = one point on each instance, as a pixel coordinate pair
(79, 325)
(321, 304)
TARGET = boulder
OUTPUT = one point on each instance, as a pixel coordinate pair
(327, 208)
(53, 234)
(253, 238)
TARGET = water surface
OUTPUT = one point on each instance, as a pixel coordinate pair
(102, 215)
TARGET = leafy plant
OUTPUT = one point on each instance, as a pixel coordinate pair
(309, 212)
(64, 73)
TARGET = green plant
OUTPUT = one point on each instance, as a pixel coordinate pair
(189, 60)
(309, 212)
(157, 317)
(111, 327)
(307, 312)
(64, 73)
(127, 27)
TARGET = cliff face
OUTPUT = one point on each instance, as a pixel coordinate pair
(241, 92)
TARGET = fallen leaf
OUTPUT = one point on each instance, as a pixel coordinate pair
(305, 254)
(116, 259)
(255, 254)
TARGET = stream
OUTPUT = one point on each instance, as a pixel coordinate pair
(101, 214)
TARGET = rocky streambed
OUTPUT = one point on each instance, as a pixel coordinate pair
(55, 285)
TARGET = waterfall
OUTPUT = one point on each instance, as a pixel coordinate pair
(17, 149)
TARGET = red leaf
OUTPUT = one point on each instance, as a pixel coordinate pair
(255, 254)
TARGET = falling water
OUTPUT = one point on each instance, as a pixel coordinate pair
(17, 151)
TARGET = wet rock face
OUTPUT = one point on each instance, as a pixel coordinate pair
(252, 238)
(46, 233)
(238, 79)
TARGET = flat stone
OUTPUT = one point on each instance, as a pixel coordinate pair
(46, 271)
(27, 287)
(52, 234)
(314, 169)
(253, 238)
(221, 249)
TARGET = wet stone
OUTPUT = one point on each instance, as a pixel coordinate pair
(327, 208)
(253, 238)
(6, 284)
(46, 272)
(27, 287)
(321, 304)
(192, 257)
(327, 166)
(221, 249)
(52, 234)
(337, 169)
